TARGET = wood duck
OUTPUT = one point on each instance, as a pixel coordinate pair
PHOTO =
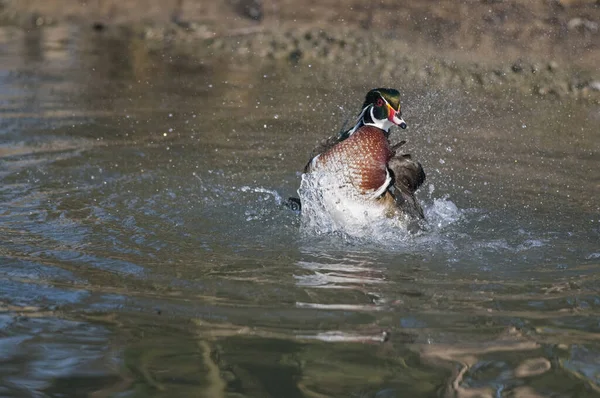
(363, 158)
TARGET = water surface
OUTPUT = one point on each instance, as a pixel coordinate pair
(146, 252)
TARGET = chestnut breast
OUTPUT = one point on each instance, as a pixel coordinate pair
(360, 160)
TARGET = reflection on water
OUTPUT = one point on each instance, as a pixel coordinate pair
(46, 354)
(145, 250)
(359, 279)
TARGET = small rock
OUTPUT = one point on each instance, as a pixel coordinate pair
(295, 56)
(585, 92)
(517, 67)
(98, 26)
(583, 24)
(552, 66)
(594, 85)
(252, 9)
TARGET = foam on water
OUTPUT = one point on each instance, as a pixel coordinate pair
(328, 208)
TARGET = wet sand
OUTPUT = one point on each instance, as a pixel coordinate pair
(542, 48)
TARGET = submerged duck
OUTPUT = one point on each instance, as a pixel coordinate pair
(366, 165)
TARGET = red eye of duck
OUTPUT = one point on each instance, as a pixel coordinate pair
(379, 102)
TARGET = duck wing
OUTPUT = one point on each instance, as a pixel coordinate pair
(323, 147)
(408, 175)
(328, 143)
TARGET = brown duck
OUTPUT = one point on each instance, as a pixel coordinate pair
(363, 159)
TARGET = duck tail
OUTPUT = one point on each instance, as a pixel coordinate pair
(293, 204)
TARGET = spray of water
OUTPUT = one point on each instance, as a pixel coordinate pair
(330, 209)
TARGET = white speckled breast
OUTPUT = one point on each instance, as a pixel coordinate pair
(359, 161)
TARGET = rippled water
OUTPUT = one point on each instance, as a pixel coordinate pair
(145, 249)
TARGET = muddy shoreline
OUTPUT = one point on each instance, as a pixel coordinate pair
(548, 49)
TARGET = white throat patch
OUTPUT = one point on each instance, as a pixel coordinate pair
(383, 124)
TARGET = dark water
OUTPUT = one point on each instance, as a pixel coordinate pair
(145, 253)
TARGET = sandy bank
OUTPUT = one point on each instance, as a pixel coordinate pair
(547, 48)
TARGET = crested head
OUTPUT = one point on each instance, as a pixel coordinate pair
(391, 95)
(380, 109)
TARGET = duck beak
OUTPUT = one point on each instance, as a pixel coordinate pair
(394, 118)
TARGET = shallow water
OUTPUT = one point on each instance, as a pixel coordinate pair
(146, 252)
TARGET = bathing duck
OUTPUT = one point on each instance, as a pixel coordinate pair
(366, 164)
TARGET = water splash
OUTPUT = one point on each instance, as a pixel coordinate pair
(276, 196)
(330, 209)
(441, 213)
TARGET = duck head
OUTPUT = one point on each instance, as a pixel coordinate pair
(380, 109)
